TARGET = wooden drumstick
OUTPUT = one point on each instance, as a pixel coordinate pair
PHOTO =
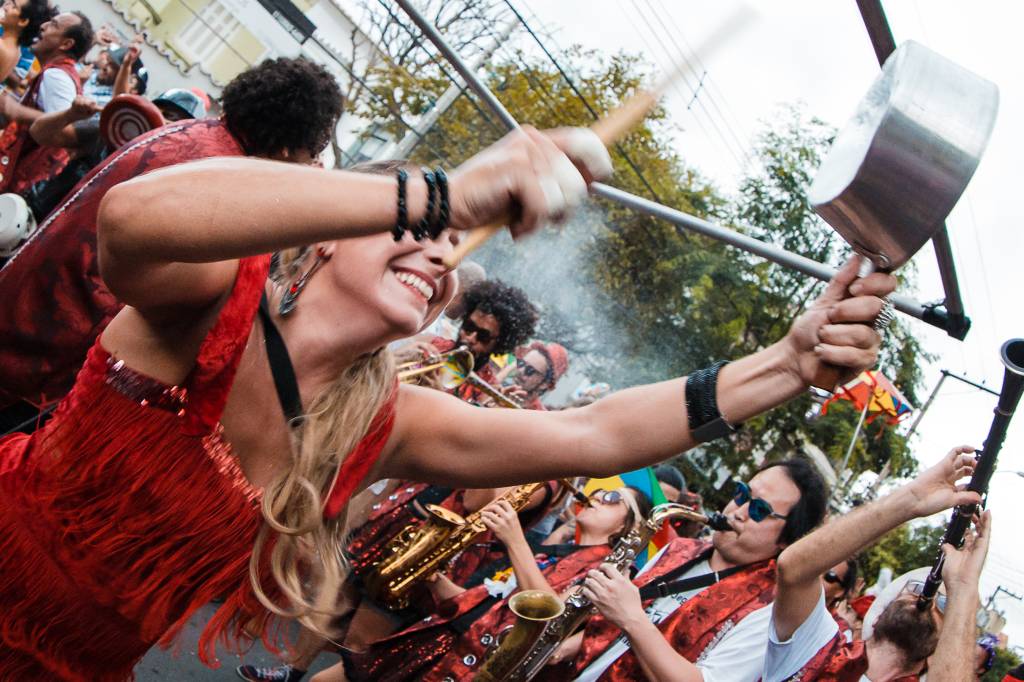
(619, 121)
(608, 129)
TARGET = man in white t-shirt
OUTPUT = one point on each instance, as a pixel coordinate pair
(711, 621)
(804, 641)
(62, 41)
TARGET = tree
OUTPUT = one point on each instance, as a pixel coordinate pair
(384, 40)
(1005, 661)
(902, 549)
(637, 299)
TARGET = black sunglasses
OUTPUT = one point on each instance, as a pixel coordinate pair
(759, 509)
(832, 577)
(529, 370)
(482, 335)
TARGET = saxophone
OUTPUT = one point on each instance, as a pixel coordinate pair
(419, 551)
(517, 659)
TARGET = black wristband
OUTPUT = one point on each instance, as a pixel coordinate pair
(706, 422)
(423, 227)
(444, 209)
(402, 223)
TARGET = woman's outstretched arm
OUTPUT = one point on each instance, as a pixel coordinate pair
(174, 234)
(440, 439)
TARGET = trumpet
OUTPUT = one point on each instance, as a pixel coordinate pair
(454, 369)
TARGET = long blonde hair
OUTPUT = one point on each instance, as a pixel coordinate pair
(306, 554)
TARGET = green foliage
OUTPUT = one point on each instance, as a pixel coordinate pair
(638, 300)
(902, 549)
(1005, 661)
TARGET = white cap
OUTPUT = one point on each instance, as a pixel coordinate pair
(888, 595)
(16, 223)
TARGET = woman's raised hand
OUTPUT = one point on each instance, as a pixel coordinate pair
(501, 519)
(527, 179)
(837, 327)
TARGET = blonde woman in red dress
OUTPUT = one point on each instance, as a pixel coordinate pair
(170, 475)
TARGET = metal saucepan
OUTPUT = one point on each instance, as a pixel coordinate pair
(899, 166)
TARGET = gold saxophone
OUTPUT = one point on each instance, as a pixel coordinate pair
(419, 551)
(524, 649)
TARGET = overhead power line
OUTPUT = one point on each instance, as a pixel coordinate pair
(586, 103)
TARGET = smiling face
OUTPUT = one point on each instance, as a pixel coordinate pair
(51, 40)
(751, 540)
(401, 285)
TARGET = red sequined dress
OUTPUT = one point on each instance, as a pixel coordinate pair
(128, 511)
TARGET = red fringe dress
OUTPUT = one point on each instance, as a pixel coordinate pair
(128, 511)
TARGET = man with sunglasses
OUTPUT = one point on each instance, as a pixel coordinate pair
(497, 319)
(699, 610)
(804, 642)
(539, 366)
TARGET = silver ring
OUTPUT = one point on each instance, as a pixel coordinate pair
(885, 316)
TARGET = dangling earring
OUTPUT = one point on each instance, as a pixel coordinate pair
(291, 296)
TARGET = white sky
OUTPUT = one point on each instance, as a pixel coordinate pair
(818, 52)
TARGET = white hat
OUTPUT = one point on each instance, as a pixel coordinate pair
(16, 223)
(888, 595)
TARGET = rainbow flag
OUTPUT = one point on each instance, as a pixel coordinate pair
(644, 480)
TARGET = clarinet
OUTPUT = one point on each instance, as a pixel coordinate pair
(1012, 355)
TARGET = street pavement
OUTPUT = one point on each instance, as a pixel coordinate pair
(181, 663)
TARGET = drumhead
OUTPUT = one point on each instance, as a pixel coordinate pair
(126, 117)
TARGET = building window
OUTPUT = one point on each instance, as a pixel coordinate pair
(209, 31)
(368, 147)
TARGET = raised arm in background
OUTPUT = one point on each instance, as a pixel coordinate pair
(952, 660)
(802, 564)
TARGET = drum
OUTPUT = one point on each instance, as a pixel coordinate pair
(126, 117)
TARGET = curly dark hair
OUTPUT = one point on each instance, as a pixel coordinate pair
(283, 104)
(38, 12)
(509, 305)
(82, 34)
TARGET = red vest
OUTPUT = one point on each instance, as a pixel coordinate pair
(839, 661)
(23, 162)
(696, 625)
(433, 650)
(57, 304)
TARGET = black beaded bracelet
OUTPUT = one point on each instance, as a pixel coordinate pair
(444, 209)
(706, 422)
(425, 225)
(402, 223)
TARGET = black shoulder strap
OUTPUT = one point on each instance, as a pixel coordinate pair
(667, 584)
(281, 367)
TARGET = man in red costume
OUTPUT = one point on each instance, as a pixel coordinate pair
(713, 621)
(62, 41)
(55, 303)
(805, 642)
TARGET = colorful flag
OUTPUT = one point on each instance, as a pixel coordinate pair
(645, 481)
(873, 389)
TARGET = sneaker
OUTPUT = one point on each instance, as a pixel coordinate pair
(284, 673)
